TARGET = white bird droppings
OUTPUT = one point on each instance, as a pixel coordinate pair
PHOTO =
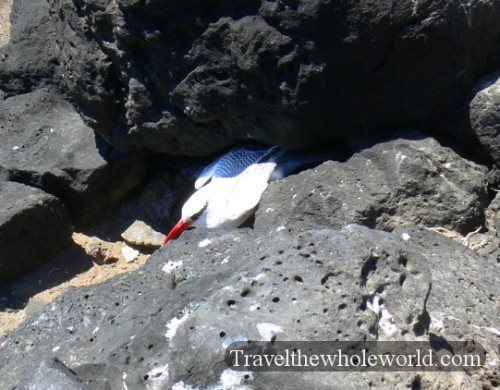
(386, 320)
(204, 243)
(129, 254)
(171, 265)
(96, 329)
(182, 386)
(260, 276)
(405, 236)
(436, 324)
(225, 260)
(56, 348)
(158, 373)
(15, 147)
(269, 210)
(229, 379)
(174, 324)
(280, 228)
(268, 330)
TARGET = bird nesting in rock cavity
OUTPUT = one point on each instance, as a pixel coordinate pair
(229, 189)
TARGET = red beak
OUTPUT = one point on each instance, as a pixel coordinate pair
(177, 229)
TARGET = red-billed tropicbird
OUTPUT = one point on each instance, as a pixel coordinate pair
(229, 189)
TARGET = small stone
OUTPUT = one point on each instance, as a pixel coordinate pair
(100, 251)
(129, 254)
(143, 235)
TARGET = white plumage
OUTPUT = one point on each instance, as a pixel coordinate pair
(229, 189)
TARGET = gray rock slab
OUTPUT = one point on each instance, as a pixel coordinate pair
(47, 145)
(484, 115)
(168, 323)
(408, 180)
(493, 215)
(34, 226)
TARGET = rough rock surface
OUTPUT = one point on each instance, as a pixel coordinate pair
(484, 114)
(493, 215)
(409, 179)
(47, 145)
(30, 58)
(34, 226)
(170, 321)
(155, 75)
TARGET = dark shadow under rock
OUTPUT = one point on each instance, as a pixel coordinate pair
(34, 227)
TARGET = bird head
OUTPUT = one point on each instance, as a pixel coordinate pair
(192, 212)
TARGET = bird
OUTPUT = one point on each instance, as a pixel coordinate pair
(229, 189)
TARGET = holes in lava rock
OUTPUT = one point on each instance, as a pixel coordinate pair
(370, 265)
(325, 278)
(222, 334)
(402, 279)
(231, 302)
(416, 383)
(244, 293)
(279, 262)
(276, 299)
(298, 279)
(422, 325)
(402, 261)
(342, 306)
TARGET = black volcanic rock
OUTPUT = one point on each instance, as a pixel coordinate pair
(410, 179)
(168, 323)
(191, 79)
(34, 226)
(31, 59)
(484, 114)
(47, 145)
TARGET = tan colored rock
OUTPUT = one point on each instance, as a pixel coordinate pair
(142, 234)
(5, 7)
